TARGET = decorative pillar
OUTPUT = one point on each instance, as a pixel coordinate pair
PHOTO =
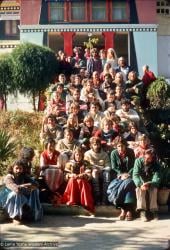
(68, 42)
(109, 39)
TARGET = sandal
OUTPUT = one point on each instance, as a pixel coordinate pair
(129, 216)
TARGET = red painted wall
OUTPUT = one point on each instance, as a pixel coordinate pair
(30, 11)
(146, 10)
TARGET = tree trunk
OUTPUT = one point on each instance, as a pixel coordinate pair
(5, 102)
(33, 102)
(39, 100)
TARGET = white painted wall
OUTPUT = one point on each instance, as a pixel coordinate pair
(164, 56)
(34, 37)
(20, 102)
(146, 50)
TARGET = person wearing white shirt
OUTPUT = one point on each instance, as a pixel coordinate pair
(127, 114)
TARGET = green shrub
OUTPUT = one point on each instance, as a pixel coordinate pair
(24, 129)
(34, 67)
(159, 93)
(7, 149)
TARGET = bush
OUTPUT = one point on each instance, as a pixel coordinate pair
(159, 93)
(7, 149)
(24, 129)
(165, 173)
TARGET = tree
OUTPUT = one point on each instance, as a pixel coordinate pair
(157, 116)
(91, 42)
(159, 93)
(6, 80)
(34, 68)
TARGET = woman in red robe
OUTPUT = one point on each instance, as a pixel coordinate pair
(51, 164)
(78, 190)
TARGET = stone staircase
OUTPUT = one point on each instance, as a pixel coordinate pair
(103, 211)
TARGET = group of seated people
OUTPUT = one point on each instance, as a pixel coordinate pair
(96, 148)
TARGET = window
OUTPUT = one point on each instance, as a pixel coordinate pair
(56, 12)
(11, 27)
(78, 10)
(119, 10)
(167, 11)
(163, 8)
(98, 10)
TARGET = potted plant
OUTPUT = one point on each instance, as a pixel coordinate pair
(91, 42)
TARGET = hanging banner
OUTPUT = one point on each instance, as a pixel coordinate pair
(10, 10)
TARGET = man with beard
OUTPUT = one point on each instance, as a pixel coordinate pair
(146, 175)
(20, 196)
(126, 113)
(100, 163)
(76, 99)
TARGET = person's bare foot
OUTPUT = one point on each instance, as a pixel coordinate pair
(16, 222)
(122, 216)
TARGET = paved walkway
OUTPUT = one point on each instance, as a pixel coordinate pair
(83, 232)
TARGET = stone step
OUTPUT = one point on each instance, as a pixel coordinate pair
(100, 211)
(106, 211)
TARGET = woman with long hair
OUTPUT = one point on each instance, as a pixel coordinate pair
(73, 123)
(112, 57)
(78, 175)
(121, 190)
(51, 166)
